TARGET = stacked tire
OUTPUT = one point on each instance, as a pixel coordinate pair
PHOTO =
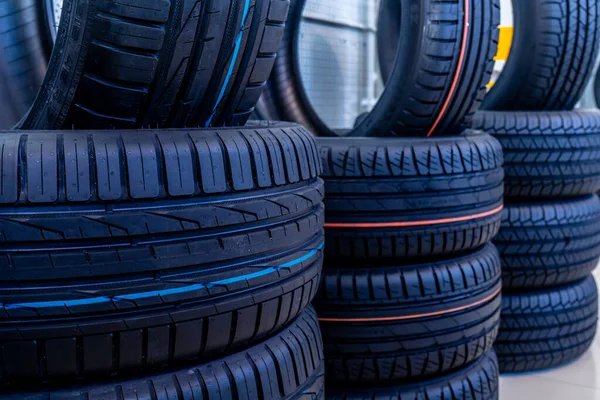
(411, 285)
(181, 248)
(169, 64)
(550, 235)
(145, 264)
(409, 302)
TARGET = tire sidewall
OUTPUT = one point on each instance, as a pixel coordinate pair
(388, 28)
(409, 33)
(20, 80)
(402, 73)
(407, 44)
(517, 71)
(48, 20)
(52, 103)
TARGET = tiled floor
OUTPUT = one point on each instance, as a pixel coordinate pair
(579, 380)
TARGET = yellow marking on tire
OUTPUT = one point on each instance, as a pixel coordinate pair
(504, 43)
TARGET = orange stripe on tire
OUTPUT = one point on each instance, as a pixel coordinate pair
(415, 316)
(405, 224)
(459, 67)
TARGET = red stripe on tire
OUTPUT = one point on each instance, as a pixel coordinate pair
(405, 224)
(459, 67)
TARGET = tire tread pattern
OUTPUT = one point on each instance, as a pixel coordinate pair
(550, 243)
(288, 365)
(545, 329)
(547, 154)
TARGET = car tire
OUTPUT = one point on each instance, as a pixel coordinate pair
(436, 96)
(410, 197)
(550, 243)
(547, 328)
(24, 53)
(169, 64)
(408, 322)
(288, 365)
(150, 248)
(478, 381)
(554, 49)
(547, 154)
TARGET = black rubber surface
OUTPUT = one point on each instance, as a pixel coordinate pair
(554, 49)
(547, 328)
(411, 322)
(100, 203)
(436, 95)
(478, 381)
(549, 243)
(441, 195)
(547, 154)
(121, 64)
(155, 247)
(287, 366)
(24, 52)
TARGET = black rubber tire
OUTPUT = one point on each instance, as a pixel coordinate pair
(478, 381)
(547, 328)
(436, 95)
(101, 203)
(554, 49)
(216, 245)
(288, 365)
(550, 243)
(547, 154)
(168, 64)
(411, 322)
(425, 196)
(24, 51)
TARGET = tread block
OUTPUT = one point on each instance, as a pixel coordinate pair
(410, 197)
(379, 322)
(543, 329)
(270, 370)
(548, 154)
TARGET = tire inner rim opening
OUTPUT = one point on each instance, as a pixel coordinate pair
(338, 60)
(56, 10)
(504, 41)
